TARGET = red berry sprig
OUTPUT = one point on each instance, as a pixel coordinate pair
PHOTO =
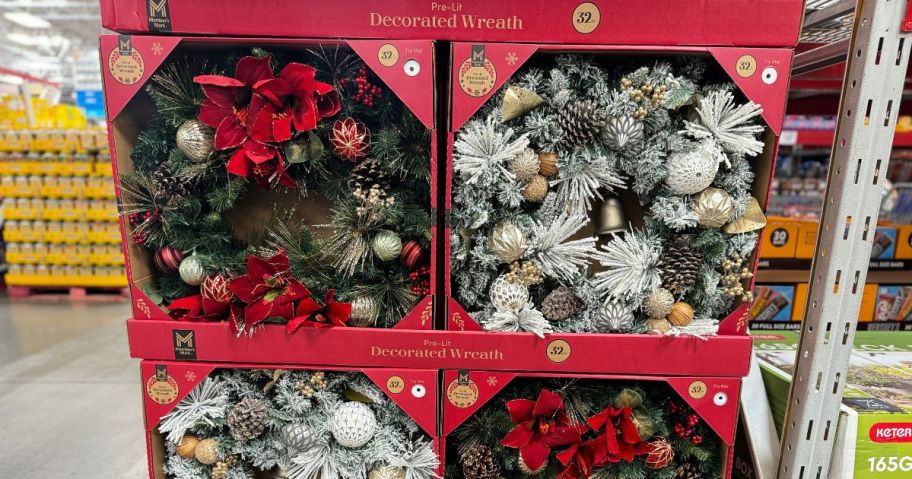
(367, 92)
(687, 422)
(137, 219)
(421, 281)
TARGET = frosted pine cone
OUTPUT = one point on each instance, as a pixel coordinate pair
(560, 304)
(247, 419)
(581, 122)
(680, 265)
(479, 462)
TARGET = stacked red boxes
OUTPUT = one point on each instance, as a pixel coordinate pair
(486, 403)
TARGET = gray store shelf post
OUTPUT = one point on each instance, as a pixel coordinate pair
(878, 56)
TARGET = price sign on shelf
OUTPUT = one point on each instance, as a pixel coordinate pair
(788, 138)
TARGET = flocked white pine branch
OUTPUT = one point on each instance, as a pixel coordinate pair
(631, 265)
(556, 256)
(727, 124)
(528, 319)
(482, 150)
(203, 405)
(581, 180)
(419, 461)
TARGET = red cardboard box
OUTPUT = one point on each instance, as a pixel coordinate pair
(657, 22)
(710, 403)
(166, 384)
(167, 340)
(405, 66)
(479, 70)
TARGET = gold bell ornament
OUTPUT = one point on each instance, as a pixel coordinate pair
(611, 218)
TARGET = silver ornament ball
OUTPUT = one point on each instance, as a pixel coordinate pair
(353, 424)
(191, 271)
(507, 296)
(387, 245)
(297, 437)
(613, 317)
(620, 131)
(692, 171)
(195, 140)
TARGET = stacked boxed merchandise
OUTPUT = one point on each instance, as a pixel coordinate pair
(874, 430)
(280, 196)
(60, 219)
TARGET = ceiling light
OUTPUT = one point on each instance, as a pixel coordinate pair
(11, 79)
(21, 38)
(26, 20)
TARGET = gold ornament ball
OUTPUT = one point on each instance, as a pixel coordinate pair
(713, 207)
(536, 189)
(207, 451)
(658, 304)
(195, 140)
(508, 242)
(681, 314)
(658, 326)
(363, 312)
(186, 448)
(386, 472)
(547, 163)
(523, 468)
(524, 165)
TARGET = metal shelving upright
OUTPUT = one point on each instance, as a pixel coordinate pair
(873, 38)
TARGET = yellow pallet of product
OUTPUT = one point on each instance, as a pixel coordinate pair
(104, 168)
(102, 211)
(116, 281)
(99, 188)
(104, 233)
(21, 209)
(104, 255)
(23, 254)
(21, 235)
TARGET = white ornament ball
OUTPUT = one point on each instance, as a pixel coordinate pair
(658, 303)
(387, 245)
(353, 424)
(691, 172)
(613, 317)
(507, 296)
(191, 271)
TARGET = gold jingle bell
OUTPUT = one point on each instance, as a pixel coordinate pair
(611, 218)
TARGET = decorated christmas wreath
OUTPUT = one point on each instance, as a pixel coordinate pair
(579, 429)
(289, 188)
(241, 424)
(550, 172)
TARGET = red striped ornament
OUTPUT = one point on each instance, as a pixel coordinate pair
(168, 259)
(412, 254)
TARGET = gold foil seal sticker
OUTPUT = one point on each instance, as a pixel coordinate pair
(697, 389)
(126, 69)
(395, 385)
(586, 17)
(477, 80)
(558, 351)
(462, 394)
(388, 55)
(162, 392)
(747, 66)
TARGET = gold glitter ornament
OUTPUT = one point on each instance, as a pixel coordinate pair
(536, 190)
(547, 163)
(207, 451)
(363, 312)
(386, 472)
(713, 207)
(524, 165)
(517, 102)
(220, 471)
(658, 303)
(507, 242)
(658, 326)
(195, 140)
(753, 219)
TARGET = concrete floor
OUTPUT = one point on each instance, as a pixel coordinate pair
(70, 395)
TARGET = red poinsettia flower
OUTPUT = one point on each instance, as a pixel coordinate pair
(188, 308)
(312, 314)
(296, 98)
(620, 440)
(540, 426)
(228, 100)
(578, 460)
(268, 289)
(264, 163)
